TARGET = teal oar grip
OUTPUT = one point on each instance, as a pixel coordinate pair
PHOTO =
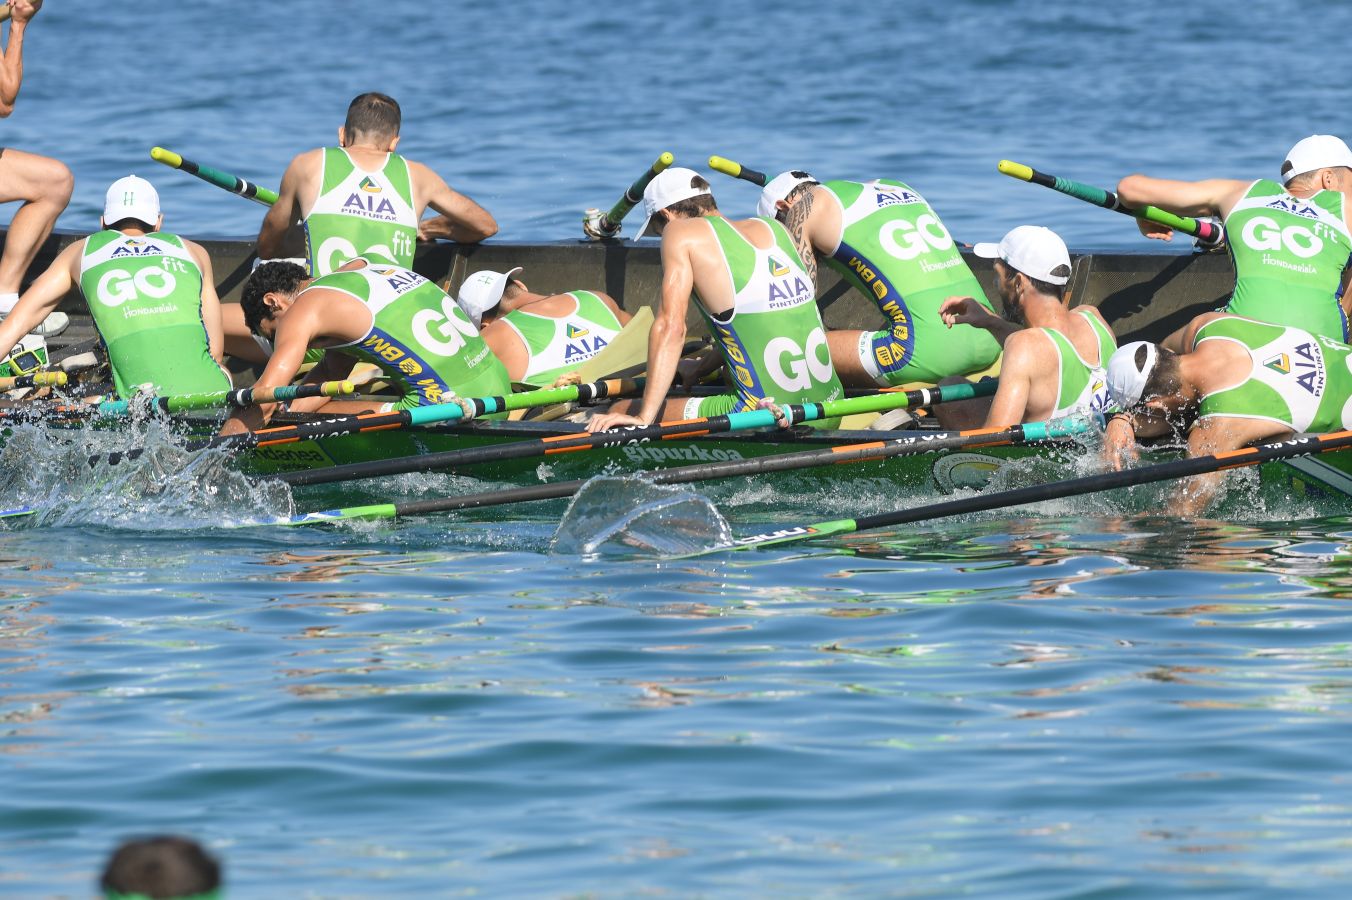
(634, 194)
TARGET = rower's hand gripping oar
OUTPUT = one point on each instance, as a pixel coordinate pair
(598, 226)
(225, 180)
(1208, 234)
(1074, 487)
(690, 428)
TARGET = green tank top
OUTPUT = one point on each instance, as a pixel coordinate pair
(773, 341)
(145, 295)
(894, 250)
(1082, 385)
(1297, 379)
(418, 337)
(1289, 256)
(560, 345)
(360, 213)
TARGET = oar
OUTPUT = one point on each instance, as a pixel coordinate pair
(231, 183)
(35, 379)
(737, 170)
(784, 462)
(1209, 234)
(571, 443)
(357, 423)
(1074, 487)
(235, 398)
(609, 224)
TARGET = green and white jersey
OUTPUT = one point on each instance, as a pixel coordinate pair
(418, 336)
(1082, 386)
(360, 213)
(894, 250)
(772, 340)
(145, 295)
(1297, 379)
(560, 345)
(1289, 256)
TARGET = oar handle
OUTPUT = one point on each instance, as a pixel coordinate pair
(36, 379)
(225, 180)
(737, 170)
(634, 194)
(1208, 233)
(236, 398)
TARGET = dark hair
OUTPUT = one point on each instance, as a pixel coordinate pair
(1166, 378)
(1043, 287)
(161, 867)
(696, 206)
(1305, 179)
(801, 187)
(273, 277)
(374, 114)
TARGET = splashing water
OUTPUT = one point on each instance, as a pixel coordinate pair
(628, 515)
(67, 474)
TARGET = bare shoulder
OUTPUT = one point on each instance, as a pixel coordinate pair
(1027, 345)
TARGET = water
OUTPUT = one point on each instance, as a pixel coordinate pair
(1086, 699)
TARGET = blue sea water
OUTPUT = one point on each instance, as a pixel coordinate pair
(1085, 699)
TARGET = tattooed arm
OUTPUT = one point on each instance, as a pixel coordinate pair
(795, 221)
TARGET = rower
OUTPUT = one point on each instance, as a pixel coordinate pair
(150, 292)
(888, 243)
(361, 199)
(1290, 242)
(1054, 358)
(755, 294)
(540, 338)
(1238, 382)
(373, 312)
(43, 185)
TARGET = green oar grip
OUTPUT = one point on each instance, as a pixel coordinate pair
(634, 194)
(737, 170)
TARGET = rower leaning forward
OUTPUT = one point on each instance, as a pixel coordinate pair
(151, 295)
(1290, 241)
(886, 240)
(368, 311)
(755, 294)
(1239, 382)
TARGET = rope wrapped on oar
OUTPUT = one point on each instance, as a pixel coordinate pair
(783, 462)
(1208, 234)
(572, 443)
(224, 180)
(597, 225)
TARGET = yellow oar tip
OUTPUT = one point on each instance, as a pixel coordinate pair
(726, 166)
(666, 159)
(343, 387)
(168, 157)
(1015, 170)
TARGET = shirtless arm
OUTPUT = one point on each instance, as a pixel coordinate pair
(1212, 197)
(665, 340)
(967, 311)
(11, 60)
(42, 296)
(507, 347)
(797, 224)
(211, 303)
(292, 339)
(461, 219)
(1217, 434)
(286, 211)
(1024, 354)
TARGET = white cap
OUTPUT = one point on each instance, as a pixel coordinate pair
(670, 186)
(1033, 250)
(1318, 151)
(131, 197)
(1126, 382)
(482, 291)
(778, 189)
